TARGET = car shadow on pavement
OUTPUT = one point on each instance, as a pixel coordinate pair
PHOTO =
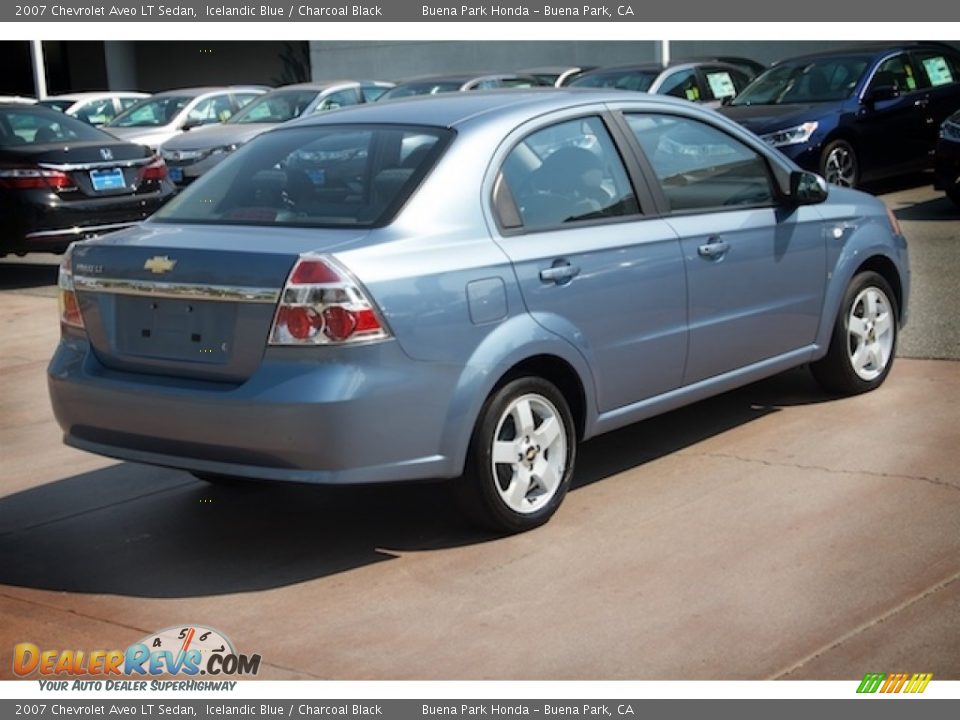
(23, 275)
(142, 531)
(940, 209)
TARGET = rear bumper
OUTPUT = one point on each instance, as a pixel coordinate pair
(37, 222)
(372, 416)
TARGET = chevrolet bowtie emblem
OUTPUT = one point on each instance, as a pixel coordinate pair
(159, 264)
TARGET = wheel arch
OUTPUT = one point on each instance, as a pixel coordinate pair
(517, 348)
(885, 268)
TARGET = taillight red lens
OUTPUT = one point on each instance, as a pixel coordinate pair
(339, 323)
(156, 170)
(321, 304)
(27, 178)
(66, 296)
(313, 272)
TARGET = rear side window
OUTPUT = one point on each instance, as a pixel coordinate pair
(317, 176)
(566, 173)
(700, 167)
(722, 83)
(938, 69)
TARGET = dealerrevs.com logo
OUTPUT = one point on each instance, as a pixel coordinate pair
(189, 650)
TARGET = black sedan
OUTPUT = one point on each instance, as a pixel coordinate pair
(62, 180)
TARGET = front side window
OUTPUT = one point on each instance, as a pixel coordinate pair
(340, 98)
(276, 107)
(700, 167)
(96, 112)
(317, 176)
(681, 84)
(154, 112)
(895, 72)
(567, 173)
(212, 110)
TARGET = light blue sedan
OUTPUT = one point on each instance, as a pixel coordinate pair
(465, 287)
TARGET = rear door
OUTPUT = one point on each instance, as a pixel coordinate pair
(895, 132)
(591, 266)
(939, 73)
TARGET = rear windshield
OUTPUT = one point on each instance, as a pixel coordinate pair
(427, 87)
(316, 176)
(31, 125)
(639, 80)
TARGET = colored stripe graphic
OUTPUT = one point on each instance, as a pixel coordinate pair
(894, 682)
(871, 682)
(919, 682)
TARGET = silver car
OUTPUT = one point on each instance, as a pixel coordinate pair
(155, 120)
(189, 155)
(710, 82)
(465, 287)
(94, 108)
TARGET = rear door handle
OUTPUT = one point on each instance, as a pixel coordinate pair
(559, 274)
(714, 248)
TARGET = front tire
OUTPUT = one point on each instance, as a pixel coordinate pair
(839, 164)
(864, 340)
(521, 457)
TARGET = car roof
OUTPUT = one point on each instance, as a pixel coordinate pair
(76, 97)
(327, 84)
(198, 91)
(869, 49)
(452, 109)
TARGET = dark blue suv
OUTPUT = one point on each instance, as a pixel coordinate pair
(858, 114)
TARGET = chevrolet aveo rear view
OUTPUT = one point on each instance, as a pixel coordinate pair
(465, 287)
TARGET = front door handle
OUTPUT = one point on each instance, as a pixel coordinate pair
(559, 274)
(714, 248)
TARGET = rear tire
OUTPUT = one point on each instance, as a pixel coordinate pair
(864, 340)
(521, 457)
(953, 192)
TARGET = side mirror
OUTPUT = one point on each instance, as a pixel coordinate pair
(807, 188)
(881, 93)
(726, 100)
(190, 124)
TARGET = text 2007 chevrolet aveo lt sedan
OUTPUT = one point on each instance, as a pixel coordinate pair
(464, 287)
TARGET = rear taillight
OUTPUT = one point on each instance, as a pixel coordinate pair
(33, 178)
(156, 170)
(322, 305)
(69, 305)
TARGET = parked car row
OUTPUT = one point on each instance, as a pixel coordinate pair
(833, 113)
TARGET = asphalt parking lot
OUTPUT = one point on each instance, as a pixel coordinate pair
(772, 532)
